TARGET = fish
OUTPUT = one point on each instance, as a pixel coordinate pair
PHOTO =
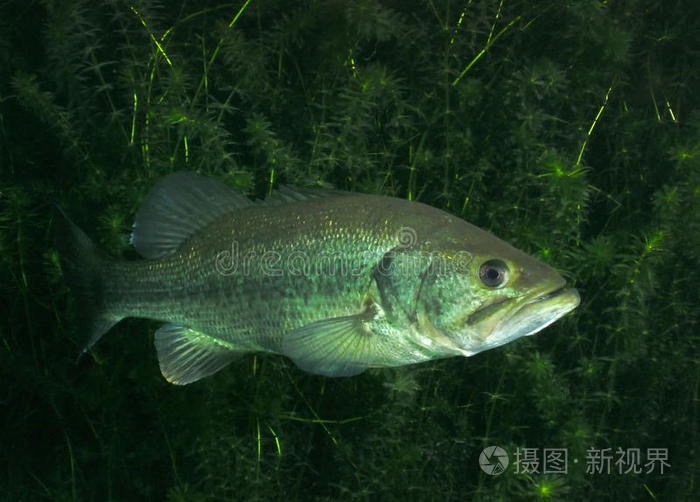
(336, 281)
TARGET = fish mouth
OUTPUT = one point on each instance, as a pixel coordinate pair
(552, 294)
(506, 319)
(536, 314)
(559, 295)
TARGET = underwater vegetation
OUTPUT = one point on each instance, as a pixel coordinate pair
(570, 129)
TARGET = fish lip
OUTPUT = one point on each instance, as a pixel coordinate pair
(551, 310)
(487, 310)
(554, 293)
(558, 291)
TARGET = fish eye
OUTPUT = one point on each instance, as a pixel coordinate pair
(493, 273)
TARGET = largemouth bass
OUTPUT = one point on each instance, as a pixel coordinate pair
(338, 282)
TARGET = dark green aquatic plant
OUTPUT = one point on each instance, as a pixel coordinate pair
(569, 128)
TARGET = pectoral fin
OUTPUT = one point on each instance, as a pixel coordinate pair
(341, 346)
(186, 355)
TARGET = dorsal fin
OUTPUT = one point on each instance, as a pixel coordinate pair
(287, 194)
(177, 207)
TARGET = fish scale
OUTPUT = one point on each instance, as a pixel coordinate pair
(250, 307)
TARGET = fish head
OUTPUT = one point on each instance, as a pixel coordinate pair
(481, 293)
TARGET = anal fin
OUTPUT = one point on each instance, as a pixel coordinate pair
(186, 355)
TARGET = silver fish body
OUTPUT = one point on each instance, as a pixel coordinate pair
(339, 282)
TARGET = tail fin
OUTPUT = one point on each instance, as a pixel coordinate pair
(83, 266)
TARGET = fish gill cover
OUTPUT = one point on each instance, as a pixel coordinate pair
(570, 129)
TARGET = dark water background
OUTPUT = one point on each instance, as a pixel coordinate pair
(570, 129)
